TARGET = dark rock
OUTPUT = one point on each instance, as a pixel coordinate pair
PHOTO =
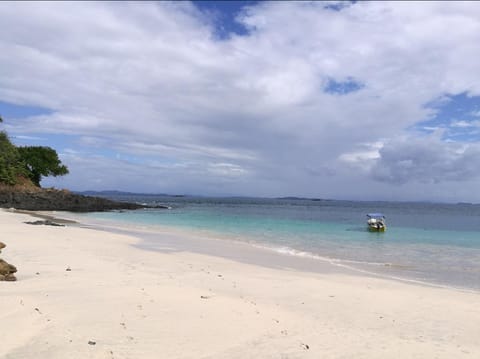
(46, 222)
(7, 271)
(6, 268)
(91, 342)
(9, 278)
(60, 200)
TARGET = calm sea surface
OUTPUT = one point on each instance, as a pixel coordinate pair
(432, 243)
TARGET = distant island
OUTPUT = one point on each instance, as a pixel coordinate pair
(302, 199)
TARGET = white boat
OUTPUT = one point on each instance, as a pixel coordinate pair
(376, 222)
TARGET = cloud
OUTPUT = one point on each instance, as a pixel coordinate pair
(462, 124)
(427, 160)
(363, 158)
(153, 81)
(30, 138)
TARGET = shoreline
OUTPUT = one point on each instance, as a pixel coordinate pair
(135, 303)
(242, 251)
(46, 216)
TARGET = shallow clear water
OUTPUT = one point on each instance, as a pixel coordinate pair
(434, 243)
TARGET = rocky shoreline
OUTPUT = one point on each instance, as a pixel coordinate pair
(60, 200)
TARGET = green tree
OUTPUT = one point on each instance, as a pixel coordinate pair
(11, 166)
(41, 161)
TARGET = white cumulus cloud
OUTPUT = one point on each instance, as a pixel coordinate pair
(247, 114)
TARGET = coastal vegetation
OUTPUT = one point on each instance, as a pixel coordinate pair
(11, 166)
(41, 161)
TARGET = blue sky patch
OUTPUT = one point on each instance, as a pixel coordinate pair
(57, 141)
(224, 13)
(457, 115)
(10, 110)
(335, 87)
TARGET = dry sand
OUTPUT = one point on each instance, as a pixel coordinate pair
(78, 285)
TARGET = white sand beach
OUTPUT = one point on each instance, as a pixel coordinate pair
(84, 293)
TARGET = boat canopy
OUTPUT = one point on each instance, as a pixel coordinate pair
(375, 215)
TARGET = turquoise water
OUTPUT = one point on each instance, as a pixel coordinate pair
(433, 243)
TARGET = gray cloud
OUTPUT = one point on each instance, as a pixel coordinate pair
(427, 160)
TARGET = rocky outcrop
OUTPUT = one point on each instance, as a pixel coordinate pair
(7, 271)
(58, 200)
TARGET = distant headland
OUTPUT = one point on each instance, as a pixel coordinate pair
(48, 199)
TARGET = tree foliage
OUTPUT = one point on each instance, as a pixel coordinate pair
(41, 161)
(11, 165)
(31, 162)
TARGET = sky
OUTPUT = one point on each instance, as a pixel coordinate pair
(351, 100)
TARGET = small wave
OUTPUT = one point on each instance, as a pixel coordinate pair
(298, 253)
(350, 265)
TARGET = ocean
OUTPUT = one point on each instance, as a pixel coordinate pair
(431, 243)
